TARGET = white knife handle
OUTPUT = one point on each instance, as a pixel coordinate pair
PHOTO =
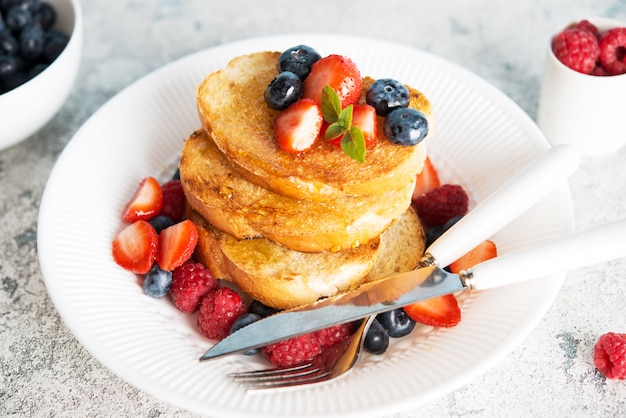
(510, 200)
(595, 245)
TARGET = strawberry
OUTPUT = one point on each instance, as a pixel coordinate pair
(135, 247)
(363, 116)
(440, 311)
(145, 203)
(427, 179)
(482, 252)
(297, 127)
(338, 72)
(176, 245)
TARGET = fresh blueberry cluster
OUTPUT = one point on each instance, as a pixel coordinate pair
(403, 125)
(28, 42)
(294, 65)
(395, 324)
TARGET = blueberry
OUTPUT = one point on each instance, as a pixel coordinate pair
(405, 126)
(18, 17)
(298, 60)
(387, 94)
(245, 319)
(376, 339)
(36, 69)
(157, 282)
(437, 231)
(55, 43)
(45, 16)
(176, 175)
(260, 309)
(283, 91)
(30, 5)
(8, 44)
(160, 222)
(14, 80)
(9, 65)
(396, 322)
(31, 42)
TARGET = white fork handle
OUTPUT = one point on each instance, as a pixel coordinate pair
(543, 175)
(595, 245)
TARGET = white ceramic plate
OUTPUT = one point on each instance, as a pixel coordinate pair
(480, 140)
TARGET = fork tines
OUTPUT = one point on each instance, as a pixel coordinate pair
(281, 377)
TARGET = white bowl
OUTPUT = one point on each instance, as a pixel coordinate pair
(585, 111)
(27, 108)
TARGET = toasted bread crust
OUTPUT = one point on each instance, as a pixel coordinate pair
(232, 109)
(287, 228)
(245, 210)
(401, 247)
(283, 278)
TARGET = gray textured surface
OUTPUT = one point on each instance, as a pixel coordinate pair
(44, 370)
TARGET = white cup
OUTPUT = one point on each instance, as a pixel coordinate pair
(582, 110)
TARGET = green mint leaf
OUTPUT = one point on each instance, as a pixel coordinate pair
(340, 120)
(331, 105)
(333, 131)
(353, 144)
(345, 118)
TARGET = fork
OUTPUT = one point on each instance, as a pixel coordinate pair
(331, 363)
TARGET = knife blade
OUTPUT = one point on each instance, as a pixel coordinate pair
(535, 181)
(368, 299)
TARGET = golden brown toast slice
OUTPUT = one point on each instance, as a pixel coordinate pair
(243, 209)
(232, 109)
(283, 278)
(401, 247)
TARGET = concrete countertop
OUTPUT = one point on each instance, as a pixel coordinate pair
(45, 372)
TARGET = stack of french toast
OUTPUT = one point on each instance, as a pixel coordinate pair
(290, 228)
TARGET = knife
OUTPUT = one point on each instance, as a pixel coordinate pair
(510, 200)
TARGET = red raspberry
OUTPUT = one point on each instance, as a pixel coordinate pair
(173, 200)
(589, 27)
(599, 71)
(330, 336)
(441, 204)
(609, 355)
(293, 351)
(190, 283)
(577, 49)
(218, 310)
(613, 51)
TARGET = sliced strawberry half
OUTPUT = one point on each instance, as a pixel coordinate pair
(145, 203)
(363, 116)
(427, 179)
(338, 72)
(440, 311)
(135, 247)
(176, 245)
(482, 252)
(297, 127)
